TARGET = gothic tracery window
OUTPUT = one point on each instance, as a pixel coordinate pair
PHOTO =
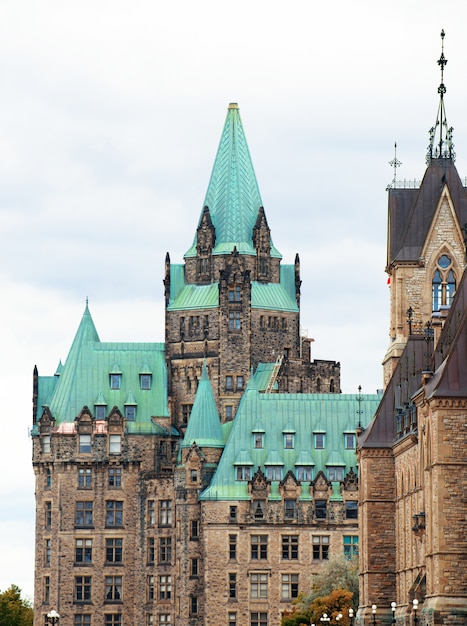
(443, 285)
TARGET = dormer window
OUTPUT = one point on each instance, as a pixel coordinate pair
(304, 472)
(130, 413)
(289, 439)
(242, 472)
(258, 440)
(115, 381)
(319, 441)
(99, 411)
(145, 381)
(274, 472)
(335, 473)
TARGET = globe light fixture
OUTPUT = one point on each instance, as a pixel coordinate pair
(53, 617)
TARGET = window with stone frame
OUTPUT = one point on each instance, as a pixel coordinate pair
(113, 619)
(165, 587)
(165, 512)
(320, 547)
(229, 383)
(233, 513)
(115, 444)
(46, 591)
(233, 547)
(48, 514)
(350, 546)
(83, 551)
(259, 509)
(84, 444)
(47, 551)
(84, 478)
(258, 618)
(232, 586)
(194, 605)
(113, 513)
(290, 547)
(443, 283)
(151, 550)
(48, 479)
(229, 412)
(289, 589)
(83, 589)
(240, 382)
(114, 550)
(186, 412)
(82, 619)
(258, 586)
(150, 588)
(164, 619)
(194, 529)
(290, 509)
(235, 320)
(113, 588)
(45, 441)
(259, 547)
(351, 509)
(232, 619)
(149, 619)
(235, 293)
(165, 549)
(115, 477)
(194, 567)
(321, 509)
(83, 513)
(151, 512)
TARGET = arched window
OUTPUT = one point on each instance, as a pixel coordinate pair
(443, 285)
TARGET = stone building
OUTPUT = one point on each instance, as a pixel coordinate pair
(412, 457)
(199, 481)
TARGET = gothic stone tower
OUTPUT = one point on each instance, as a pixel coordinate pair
(232, 303)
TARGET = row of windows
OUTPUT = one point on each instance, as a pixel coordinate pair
(84, 511)
(196, 324)
(289, 440)
(290, 547)
(272, 323)
(234, 382)
(334, 473)
(259, 583)
(115, 619)
(85, 443)
(115, 381)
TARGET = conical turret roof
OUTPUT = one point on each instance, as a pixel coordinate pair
(233, 196)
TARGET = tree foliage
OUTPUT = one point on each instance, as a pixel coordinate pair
(14, 610)
(334, 591)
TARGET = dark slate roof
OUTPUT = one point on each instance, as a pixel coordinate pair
(411, 211)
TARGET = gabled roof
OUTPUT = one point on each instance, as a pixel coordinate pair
(279, 413)
(233, 196)
(84, 379)
(411, 211)
(204, 426)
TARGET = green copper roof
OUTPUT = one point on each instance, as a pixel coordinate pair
(204, 426)
(85, 379)
(233, 196)
(335, 414)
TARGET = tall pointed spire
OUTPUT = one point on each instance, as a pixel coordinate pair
(441, 145)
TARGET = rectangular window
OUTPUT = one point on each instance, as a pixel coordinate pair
(165, 512)
(319, 441)
(233, 513)
(83, 551)
(151, 512)
(46, 589)
(258, 440)
(48, 514)
(165, 587)
(351, 509)
(240, 382)
(289, 509)
(335, 473)
(232, 586)
(114, 513)
(228, 412)
(288, 441)
(83, 514)
(85, 444)
(115, 477)
(243, 472)
(164, 618)
(235, 293)
(194, 605)
(150, 580)
(83, 588)
(45, 444)
(130, 413)
(113, 619)
(321, 509)
(186, 412)
(229, 382)
(115, 381)
(232, 621)
(149, 619)
(194, 529)
(151, 550)
(48, 479)
(165, 549)
(290, 547)
(349, 441)
(258, 619)
(48, 548)
(304, 472)
(274, 472)
(145, 382)
(235, 320)
(258, 586)
(350, 546)
(113, 588)
(289, 586)
(114, 550)
(320, 547)
(115, 444)
(259, 547)
(84, 478)
(232, 547)
(194, 568)
(82, 619)
(99, 411)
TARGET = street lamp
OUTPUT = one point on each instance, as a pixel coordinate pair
(53, 617)
(373, 610)
(415, 607)
(325, 618)
(393, 609)
(338, 617)
(351, 616)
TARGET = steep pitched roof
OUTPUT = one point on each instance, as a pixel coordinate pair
(204, 427)
(233, 196)
(411, 211)
(84, 379)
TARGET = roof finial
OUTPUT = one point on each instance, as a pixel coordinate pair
(444, 147)
(395, 163)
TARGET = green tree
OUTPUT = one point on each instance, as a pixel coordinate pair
(14, 610)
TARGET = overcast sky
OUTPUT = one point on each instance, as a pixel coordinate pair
(110, 117)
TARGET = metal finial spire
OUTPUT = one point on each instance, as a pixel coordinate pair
(395, 163)
(444, 147)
